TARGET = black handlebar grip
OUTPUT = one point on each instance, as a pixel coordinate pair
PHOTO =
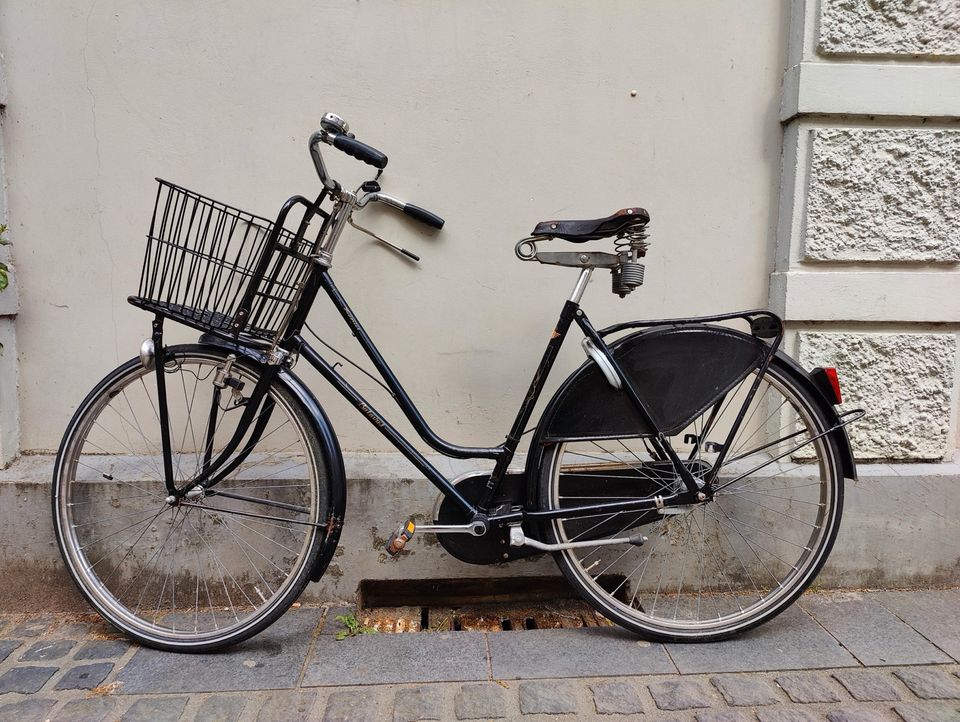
(423, 215)
(361, 151)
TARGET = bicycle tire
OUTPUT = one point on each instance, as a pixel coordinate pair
(216, 572)
(750, 525)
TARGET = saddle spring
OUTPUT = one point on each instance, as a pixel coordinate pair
(630, 245)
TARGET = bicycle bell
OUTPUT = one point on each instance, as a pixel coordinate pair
(333, 123)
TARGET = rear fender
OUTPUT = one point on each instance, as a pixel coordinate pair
(829, 411)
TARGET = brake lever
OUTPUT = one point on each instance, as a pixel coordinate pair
(394, 246)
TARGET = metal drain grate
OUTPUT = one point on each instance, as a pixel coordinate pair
(476, 605)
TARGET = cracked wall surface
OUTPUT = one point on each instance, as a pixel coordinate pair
(903, 380)
(884, 194)
(890, 27)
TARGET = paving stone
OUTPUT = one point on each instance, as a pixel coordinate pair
(928, 712)
(28, 710)
(743, 691)
(102, 649)
(600, 652)
(220, 708)
(858, 714)
(931, 612)
(155, 709)
(925, 683)
(271, 660)
(547, 698)
(808, 688)
(787, 714)
(7, 646)
(868, 685)
(350, 706)
(685, 694)
(870, 632)
(32, 627)
(25, 680)
(85, 676)
(47, 650)
(289, 705)
(93, 709)
(419, 703)
(481, 701)
(616, 698)
(397, 659)
(71, 629)
(791, 641)
(730, 715)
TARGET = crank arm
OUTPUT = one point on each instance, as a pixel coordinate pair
(398, 540)
(474, 529)
(519, 539)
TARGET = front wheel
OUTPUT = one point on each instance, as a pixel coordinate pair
(202, 572)
(711, 570)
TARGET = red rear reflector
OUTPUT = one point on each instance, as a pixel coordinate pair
(831, 374)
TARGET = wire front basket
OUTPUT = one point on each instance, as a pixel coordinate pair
(222, 270)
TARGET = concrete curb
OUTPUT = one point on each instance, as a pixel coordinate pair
(900, 529)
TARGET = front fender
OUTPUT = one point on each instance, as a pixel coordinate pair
(330, 447)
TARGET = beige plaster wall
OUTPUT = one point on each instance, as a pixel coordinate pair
(494, 114)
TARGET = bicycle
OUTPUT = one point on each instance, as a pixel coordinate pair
(688, 477)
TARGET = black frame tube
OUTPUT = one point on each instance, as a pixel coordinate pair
(403, 399)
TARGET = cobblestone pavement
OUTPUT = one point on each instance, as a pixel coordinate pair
(842, 657)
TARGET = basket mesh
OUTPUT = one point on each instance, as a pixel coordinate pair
(204, 259)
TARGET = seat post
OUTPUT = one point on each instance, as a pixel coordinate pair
(581, 286)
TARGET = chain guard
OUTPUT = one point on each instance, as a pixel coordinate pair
(494, 546)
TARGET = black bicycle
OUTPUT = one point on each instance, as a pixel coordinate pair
(688, 477)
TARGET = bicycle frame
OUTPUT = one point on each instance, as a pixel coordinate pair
(290, 344)
(296, 345)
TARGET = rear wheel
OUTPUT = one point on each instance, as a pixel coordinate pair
(201, 573)
(711, 570)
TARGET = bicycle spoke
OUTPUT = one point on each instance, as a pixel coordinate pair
(720, 564)
(163, 572)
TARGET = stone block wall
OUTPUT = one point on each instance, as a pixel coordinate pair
(868, 244)
(905, 380)
(921, 28)
(883, 194)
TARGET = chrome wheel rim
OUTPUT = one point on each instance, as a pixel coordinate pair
(717, 567)
(178, 574)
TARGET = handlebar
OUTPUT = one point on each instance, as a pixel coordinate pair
(361, 151)
(335, 131)
(423, 215)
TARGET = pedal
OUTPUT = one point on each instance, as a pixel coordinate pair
(398, 540)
